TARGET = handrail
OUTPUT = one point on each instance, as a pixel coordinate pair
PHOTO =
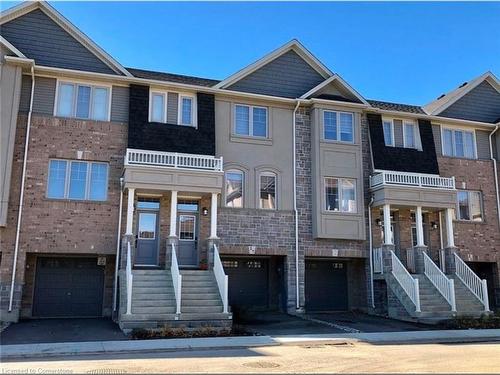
(176, 280)
(173, 160)
(130, 278)
(443, 284)
(222, 279)
(412, 179)
(407, 282)
(378, 265)
(477, 286)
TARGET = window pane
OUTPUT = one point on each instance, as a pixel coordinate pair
(186, 227)
(57, 178)
(332, 194)
(348, 196)
(268, 192)
(459, 144)
(147, 226)
(234, 189)
(447, 142)
(346, 127)
(260, 122)
(463, 205)
(78, 179)
(158, 108)
(98, 182)
(475, 206)
(388, 133)
(469, 145)
(187, 107)
(330, 124)
(100, 103)
(65, 101)
(409, 135)
(242, 119)
(83, 102)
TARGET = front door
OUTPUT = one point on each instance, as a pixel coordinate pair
(147, 238)
(187, 224)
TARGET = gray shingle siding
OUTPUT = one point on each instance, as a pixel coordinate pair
(119, 104)
(45, 93)
(436, 132)
(172, 107)
(481, 104)
(483, 144)
(41, 39)
(398, 133)
(287, 76)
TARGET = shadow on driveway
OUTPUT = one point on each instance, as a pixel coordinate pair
(61, 330)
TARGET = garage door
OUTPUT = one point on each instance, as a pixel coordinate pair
(248, 282)
(326, 285)
(68, 287)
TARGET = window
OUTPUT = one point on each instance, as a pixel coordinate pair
(250, 121)
(469, 206)
(186, 111)
(458, 143)
(158, 108)
(267, 197)
(338, 126)
(79, 180)
(388, 132)
(234, 188)
(340, 194)
(409, 134)
(83, 101)
(172, 108)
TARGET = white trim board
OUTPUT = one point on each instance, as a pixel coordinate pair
(10, 47)
(343, 83)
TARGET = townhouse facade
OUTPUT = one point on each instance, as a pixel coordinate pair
(158, 198)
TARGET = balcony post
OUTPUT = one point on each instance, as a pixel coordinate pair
(450, 240)
(387, 225)
(173, 214)
(420, 226)
(213, 216)
(130, 212)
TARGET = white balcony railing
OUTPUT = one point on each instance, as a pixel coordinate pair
(382, 178)
(173, 160)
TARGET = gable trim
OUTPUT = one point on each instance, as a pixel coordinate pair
(66, 25)
(10, 47)
(293, 45)
(333, 78)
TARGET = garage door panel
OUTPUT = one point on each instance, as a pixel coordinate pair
(326, 285)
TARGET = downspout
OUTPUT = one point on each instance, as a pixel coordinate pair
(495, 170)
(297, 291)
(370, 242)
(21, 194)
(118, 245)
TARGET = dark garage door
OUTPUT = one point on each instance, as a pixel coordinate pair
(68, 287)
(248, 282)
(326, 285)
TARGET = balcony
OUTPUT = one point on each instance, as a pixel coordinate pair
(411, 179)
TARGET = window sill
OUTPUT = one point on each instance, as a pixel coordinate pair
(461, 158)
(195, 126)
(333, 213)
(455, 221)
(253, 140)
(66, 200)
(80, 119)
(331, 141)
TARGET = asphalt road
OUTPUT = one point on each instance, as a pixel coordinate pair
(322, 358)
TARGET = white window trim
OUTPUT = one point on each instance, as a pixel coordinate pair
(481, 205)
(416, 134)
(76, 83)
(269, 174)
(391, 123)
(67, 178)
(338, 126)
(453, 129)
(250, 121)
(339, 185)
(238, 171)
(165, 99)
(194, 111)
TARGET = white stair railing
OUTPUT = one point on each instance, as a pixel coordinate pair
(444, 285)
(407, 282)
(130, 278)
(176, 280)
(410, 259)
(378, 265)
(442, 260)
(477, 286)
(221, 277)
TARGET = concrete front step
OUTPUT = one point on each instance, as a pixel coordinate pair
(198, 290)
(207, 303)
(153, 303)
(146, 317)
(153, 296)
(154, 309)
(205, 316)
(151, 290)
(201, 309)
(198, 283)
(152, 284)
(201, 296)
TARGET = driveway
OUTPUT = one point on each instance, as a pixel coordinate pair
(61, 330)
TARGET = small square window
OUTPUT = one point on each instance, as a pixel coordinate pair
(338, 126)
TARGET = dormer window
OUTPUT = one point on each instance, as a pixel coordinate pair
(172, 108)
(409, 134)
(401, 133)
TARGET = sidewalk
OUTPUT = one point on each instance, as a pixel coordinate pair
(137, 346)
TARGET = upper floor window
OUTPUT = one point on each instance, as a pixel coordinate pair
(469, 206)
(234, 188)
(388, 132)
(83, 101)
(79, 180)
(340, 194)
(172, 108)
(186, 110)
(267, 196)
(410, 134)
(459, 143)
(338, 126)
(250, 121)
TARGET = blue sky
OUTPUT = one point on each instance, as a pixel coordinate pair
(405, 52)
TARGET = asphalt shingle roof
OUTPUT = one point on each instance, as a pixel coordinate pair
(169, 77)
(396, 107)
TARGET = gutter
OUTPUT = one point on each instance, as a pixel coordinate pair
(495, 171)
(370, 241)
(118, 245)
(23, 178)
(296, 216)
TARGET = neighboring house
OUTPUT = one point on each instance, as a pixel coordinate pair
(154, 197)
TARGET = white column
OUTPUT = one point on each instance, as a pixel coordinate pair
(450, 240)
(130, 212)
(387, 225)
(420, 227)
(173, 214)
(213, 216)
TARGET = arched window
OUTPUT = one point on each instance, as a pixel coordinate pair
(267, 190)
(234, 188)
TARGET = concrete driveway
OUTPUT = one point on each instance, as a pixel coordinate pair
(61, 330)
